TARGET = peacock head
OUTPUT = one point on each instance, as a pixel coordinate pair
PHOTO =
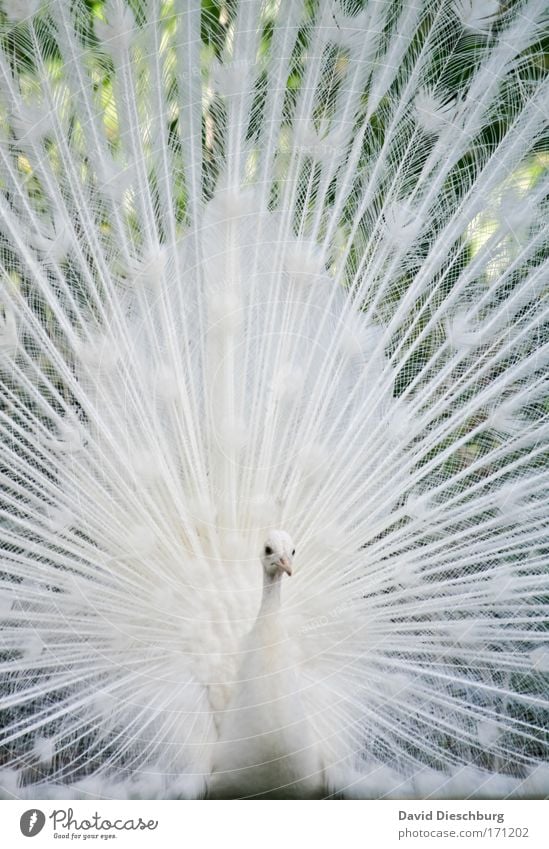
(277, 553)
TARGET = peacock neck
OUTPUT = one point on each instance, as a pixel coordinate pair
(270, 600)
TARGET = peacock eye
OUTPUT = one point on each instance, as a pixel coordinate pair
(293, 552)
(268, 549)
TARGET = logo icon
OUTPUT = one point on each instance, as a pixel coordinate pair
(32, 822)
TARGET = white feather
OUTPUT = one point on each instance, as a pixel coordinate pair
(295, 276)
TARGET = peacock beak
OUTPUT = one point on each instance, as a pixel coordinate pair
(285, 564)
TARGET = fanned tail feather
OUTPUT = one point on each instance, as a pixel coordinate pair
(269, 269)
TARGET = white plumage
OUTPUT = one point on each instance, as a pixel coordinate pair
(273, 265)
(266, 746)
